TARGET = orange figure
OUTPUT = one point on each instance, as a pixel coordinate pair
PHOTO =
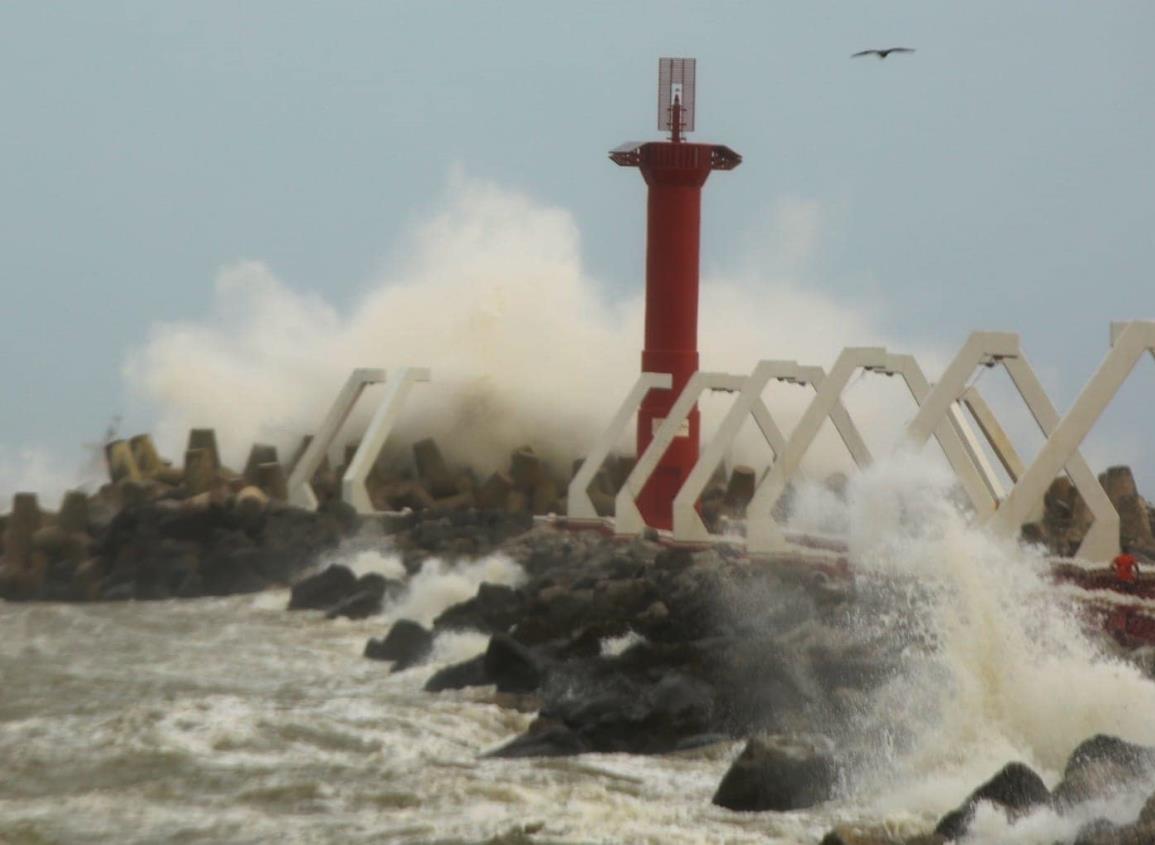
(1126, 568)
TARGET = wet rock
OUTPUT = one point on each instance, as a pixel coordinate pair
(323, 590)
(1098, 832)
(494, 609)
(1015, 788)
(118, 592)
(779, 773)
(367, 598)
(545, 738)
(406, 644)
(623, 598)
(86, 580)
(522, 702)
(299, 537)
(654, 621)
(674, 559)
(51, 540)
(1147, 814)
(1101, 765)
(235, 567)
(619, 713)
(513, 666)
(469, 673)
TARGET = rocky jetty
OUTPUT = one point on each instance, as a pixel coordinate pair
(157, 531)
(640, 648)
(616, 646)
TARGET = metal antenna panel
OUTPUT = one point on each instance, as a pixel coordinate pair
(676, 76)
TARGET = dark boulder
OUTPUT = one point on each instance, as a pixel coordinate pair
(298, 538)
(367, 599)
(123, 591)
(1101, 765)
(555, 612)
(235, 569)
(621, 713)
(1147, 814)
(674, 559)
(779, 773)
(323, 590)
(406, 644)
(467, 532)
(1099, 832)
(545, 738)
(1015, 788)
(470, 673)
(495, 609)
(513, 666)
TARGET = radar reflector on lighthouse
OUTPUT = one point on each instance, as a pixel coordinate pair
(676, 78)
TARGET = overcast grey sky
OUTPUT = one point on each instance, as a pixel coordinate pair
(1001, 177)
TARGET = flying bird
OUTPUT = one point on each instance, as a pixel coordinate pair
(882, 54)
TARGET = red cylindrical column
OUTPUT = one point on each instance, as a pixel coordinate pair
(675, 174)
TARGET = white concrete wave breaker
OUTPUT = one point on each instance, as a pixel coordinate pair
(398, 382)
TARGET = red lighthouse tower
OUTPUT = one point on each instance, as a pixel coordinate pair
(675, 172)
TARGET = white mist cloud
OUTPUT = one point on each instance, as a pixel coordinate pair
(491, 294)
(45, 472)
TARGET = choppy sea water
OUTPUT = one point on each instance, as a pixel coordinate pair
(231, 720)
(235, 721)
